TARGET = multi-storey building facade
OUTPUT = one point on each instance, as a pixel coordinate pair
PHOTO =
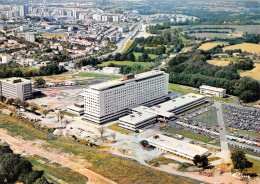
(16, 88)
(110, 100)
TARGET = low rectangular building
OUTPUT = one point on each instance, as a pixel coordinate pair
(77, 109)
(143, 116)
(213, 91)
(16, 88)
(177, 147)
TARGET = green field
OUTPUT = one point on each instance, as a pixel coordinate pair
(128, 63)
(158, 161)
(137, 54)
(181, 88)
(92, 75)
(116, 128)
(256, 166)
(244, 132)
(118, 169)
(208, 118)
(189, 135)
(226, 99)
(128, 45)
(56, 173)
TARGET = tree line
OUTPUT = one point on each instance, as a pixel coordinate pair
(192, 70)
(14, 168)
(16, 70)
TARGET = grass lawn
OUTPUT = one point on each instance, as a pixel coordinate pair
(137, 54)
(127, 46)
(226, 99)
(118, 169)
(83, 74)
(56, 173)
(218, 62)
(116, 128)
(83, 83)
(208, 118)
(128, 63)
(68, 114)
(244, 132)
(190, 135)
(181, 88)
(158, 161)
(256, 166)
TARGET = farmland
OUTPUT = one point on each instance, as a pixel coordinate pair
(210, 45)
(245, 47)
(218, 62)
(255, 73)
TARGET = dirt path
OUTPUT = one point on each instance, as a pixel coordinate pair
(23, 147)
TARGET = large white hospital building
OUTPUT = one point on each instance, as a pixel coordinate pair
(110, 100)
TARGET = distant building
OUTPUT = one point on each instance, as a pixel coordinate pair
(24, 28)
(213, 91)
(111, 70)
(176, 147)
(6, 58)
(16, 88)
(30, 37)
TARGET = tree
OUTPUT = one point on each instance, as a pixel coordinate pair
(39, 82)
(113, 135)
(102, 130)
(31, 177)
(17, 102)
(240, 161)
(41, 180)
(24, 105)
(10, 101)
(204, 162)
(61, 116)
(45, 112)
(2, 98)
(196, 160)
(34, 107)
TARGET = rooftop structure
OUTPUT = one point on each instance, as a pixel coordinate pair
(177, 147)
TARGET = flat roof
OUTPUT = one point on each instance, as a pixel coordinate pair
(179, 145)
(212, 88)
(177, 102)
(138, 115)
(12, 79)
(122, 81)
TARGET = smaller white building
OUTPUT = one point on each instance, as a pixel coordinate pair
(111, 70)
(213, 91)
(177, 147)
(77, 109)
(6, 58)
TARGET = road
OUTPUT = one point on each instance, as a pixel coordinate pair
(35, 148)
(225, 153)
(121, 45)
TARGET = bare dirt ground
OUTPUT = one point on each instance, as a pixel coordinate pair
(27, 148)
